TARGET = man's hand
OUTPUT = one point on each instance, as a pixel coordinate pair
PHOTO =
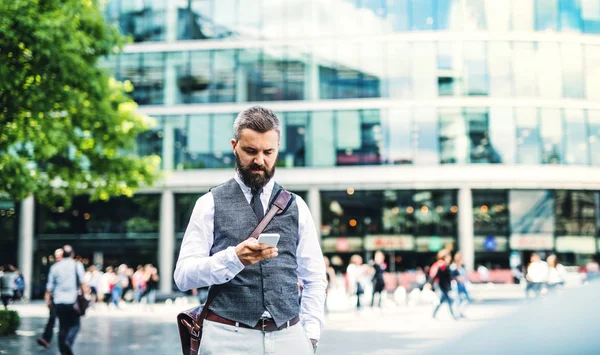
(250, 251)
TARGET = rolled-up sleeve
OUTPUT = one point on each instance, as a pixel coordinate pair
(195, 266)
(311, 272)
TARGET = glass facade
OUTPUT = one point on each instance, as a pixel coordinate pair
(160, 20)
(362, 69)
(420, 136)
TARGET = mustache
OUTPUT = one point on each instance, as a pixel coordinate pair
(254, 166)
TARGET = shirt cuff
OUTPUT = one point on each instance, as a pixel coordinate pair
(313, 330)
(234, 265)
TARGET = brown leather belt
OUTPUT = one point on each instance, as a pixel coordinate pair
(265, 324)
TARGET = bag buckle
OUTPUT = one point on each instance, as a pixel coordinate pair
(192, 329)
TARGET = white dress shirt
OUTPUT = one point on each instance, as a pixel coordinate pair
(197, 268)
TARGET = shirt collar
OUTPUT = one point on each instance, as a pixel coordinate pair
(267, 189)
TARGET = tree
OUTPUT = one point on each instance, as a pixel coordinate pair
(66, 127)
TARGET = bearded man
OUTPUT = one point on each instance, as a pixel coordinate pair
(256, 307)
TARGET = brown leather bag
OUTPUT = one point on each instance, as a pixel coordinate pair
(190, 321)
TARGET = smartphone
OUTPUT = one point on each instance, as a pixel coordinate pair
(271, 239)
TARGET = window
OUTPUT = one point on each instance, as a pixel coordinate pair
(480, 150)
(422, 15)
(184, 205)
(320, 148)
(503, 140)
(435, 213)
(476, 71)
(572, 63)
(570, 16)
(551, 132)
(146, 73)
(293, 139)
(398, 64)
(525, 67)
(397, 127)
(528, 140)
(424, 70)
(498, 15)
(144, 21)
(195, 19)
(223, 76)
(546, 15)
(594, 135)
(454, 145)
(531, 212)
(425, 136)
(490, 213)
(592, 72)
(523, 14)
(590, 16)
(500, 68)
(576, 137)
(449, 82)
(549, 70)
(193, 76)
(575, 213)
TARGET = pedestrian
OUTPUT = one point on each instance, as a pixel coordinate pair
(138, 283)
(7, 284)
(151, 281)
(377, 280)
(257, 295)
(537, 275)
(556, 273)
(444, 281)
(459, 273)
(46, 338)
(61, 292)
(119, 283)
(19, 291)
(355, 273)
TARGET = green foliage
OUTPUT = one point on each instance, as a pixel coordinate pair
(66, 127)
(9, 322)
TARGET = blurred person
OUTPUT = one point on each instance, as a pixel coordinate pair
(330, 274)
(120, 282)
(378, 282)
(139, 283)
(556, 273)
(151, 281)
(46, 338)
(19, 290)
(444, 281)
(592, 269)
(106, 284)
(420, 278)
(7, 284)
(484, 273)
(92, 279)
(61, 292)
(216, 251)
(537, 275)
(459, 273)
(356, 272)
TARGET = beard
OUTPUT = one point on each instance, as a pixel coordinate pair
(254, 181)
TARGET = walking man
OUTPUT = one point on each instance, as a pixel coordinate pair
(256, 308)
(62, 287)
(46, 338)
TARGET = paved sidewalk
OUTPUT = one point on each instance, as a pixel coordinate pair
(390, 330)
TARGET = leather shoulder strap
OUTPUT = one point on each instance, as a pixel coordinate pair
(280, 204)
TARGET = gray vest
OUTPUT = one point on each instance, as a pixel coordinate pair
(270, 284)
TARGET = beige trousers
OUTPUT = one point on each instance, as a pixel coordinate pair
(220, 339)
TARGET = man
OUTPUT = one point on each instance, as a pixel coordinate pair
(46, 338)
(62, 290)
(256, 308)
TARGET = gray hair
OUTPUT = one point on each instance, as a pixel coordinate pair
(256, 118)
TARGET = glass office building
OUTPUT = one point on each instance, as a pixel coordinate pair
(407, 124)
